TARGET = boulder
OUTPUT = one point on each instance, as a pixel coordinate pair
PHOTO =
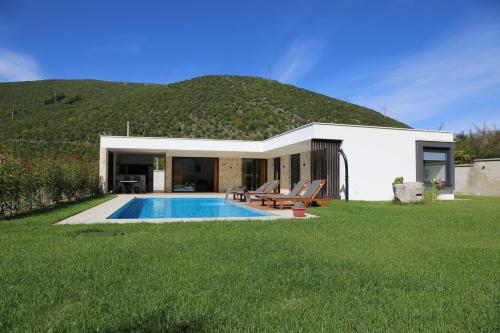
(409, 192)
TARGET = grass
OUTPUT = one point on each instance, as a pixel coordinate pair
(361, 266)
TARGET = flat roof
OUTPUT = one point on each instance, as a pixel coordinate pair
(292, 141)
(284, 133)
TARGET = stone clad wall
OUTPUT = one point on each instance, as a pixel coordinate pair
(305, 165)
(480, 178)
(285, 174)
(230, 172)
(270, 169)
(168, 173)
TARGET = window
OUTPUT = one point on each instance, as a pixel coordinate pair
(277, 170)
(195, 174)
(254, 173)
(295, 169)
(435, 164)
(435, 161)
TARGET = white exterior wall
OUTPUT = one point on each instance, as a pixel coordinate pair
(376, 155)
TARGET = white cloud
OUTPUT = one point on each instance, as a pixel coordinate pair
(429, 83)
(18, 67)
(300, 58)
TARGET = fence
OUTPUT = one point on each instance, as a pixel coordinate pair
(480, 178)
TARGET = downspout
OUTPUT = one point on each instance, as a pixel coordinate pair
(346, 166)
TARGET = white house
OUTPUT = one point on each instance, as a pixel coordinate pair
(375, 156)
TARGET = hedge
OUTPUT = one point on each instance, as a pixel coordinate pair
(30, 185)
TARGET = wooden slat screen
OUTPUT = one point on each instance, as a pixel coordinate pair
(325, 165)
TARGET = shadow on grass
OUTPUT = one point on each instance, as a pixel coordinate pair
(94, 232)
(165, 320)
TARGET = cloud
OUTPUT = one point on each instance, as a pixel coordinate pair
(18, 67)
(300, 58)
(430, 83)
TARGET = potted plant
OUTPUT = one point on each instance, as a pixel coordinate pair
(299, 209)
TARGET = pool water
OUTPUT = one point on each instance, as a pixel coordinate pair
(188, 207)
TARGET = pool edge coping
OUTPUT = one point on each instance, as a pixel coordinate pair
(99, 213)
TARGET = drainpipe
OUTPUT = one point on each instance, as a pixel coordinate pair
(346, 166)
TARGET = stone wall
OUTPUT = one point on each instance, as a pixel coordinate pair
(270, 169)
(285, 174)
(230, 171)
(103, 168)
(480, 178)
(305, 165)
(168, 173)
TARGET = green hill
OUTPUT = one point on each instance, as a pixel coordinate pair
(67, 116)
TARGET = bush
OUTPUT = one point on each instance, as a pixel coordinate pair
(398, 180)
(28, 185)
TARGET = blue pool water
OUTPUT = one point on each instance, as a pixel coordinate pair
(162, 208)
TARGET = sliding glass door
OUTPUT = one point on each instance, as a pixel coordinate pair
(195, 174)
(254, 173)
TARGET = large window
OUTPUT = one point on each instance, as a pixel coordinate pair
(195, 174)
(254, 173)
(435, 164)
(435, 161)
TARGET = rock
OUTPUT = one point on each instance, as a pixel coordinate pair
(409, 192)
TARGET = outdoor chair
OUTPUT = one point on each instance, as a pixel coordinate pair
(267, 188)
(237, 191)
(137, 185)
(297, 189)
(119, 187)
(309, 196)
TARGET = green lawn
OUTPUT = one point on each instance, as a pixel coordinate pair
(363, 266)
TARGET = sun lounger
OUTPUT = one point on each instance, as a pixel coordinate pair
(267, 188)
(293, 193)
(309, 196)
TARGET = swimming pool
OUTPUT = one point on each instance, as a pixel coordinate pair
(189, 207)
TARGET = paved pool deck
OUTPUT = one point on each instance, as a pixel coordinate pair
(99, 214)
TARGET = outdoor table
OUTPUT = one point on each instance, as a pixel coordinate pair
(128, 184)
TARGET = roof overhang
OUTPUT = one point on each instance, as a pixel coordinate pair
(294, 141)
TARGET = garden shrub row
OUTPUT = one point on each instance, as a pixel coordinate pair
(30, 185)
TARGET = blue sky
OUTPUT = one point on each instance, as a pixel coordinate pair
(430, 64)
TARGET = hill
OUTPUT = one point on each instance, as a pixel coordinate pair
(67, 116)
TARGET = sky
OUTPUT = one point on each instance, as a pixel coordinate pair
(430, 64)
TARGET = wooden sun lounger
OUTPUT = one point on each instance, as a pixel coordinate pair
(307, 198)
(267, 188)
(293, 193)
(241, 191)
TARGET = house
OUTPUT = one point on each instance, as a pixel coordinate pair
(375, 156)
